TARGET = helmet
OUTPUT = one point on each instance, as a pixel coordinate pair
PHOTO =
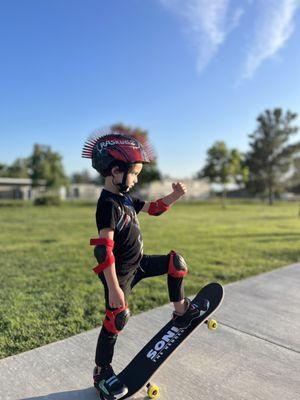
(116, 149)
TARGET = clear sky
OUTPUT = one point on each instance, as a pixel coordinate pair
(189, 71)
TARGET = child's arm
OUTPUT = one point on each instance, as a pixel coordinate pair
(116, 294)
(163, 204)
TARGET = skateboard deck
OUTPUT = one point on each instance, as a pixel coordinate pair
(139, 371)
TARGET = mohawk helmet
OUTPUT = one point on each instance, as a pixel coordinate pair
(116, 149)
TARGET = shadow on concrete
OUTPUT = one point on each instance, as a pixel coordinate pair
(86, 394)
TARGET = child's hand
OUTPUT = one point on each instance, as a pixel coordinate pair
(179, 189)
(116, 298)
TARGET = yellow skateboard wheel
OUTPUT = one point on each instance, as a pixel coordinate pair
(212, 324)
(153, 391)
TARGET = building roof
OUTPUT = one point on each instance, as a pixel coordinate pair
(20, 181)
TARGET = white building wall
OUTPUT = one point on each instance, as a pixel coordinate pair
(196, 189)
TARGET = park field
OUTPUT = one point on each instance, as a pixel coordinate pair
(49, 292)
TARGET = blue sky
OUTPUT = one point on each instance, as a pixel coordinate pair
(189, 71)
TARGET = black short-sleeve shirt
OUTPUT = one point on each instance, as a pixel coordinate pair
(119, 212)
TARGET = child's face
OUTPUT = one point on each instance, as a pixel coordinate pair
(132, 177)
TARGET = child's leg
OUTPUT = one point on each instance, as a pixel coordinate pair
(106, 340)
(115, 320)
(105, 379)
(174, 265)
(176, 293)
(105, 348)
(160, 265)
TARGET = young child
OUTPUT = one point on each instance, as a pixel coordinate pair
(119, 159)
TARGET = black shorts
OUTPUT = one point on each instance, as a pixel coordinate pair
(154, 265)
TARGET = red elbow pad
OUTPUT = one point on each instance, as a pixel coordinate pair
(108, 257)
(157, 207)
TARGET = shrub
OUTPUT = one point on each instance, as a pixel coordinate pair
(47, 200)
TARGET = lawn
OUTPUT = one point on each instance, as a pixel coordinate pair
(48, 291)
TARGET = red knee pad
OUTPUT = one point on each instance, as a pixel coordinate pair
(177, 265)
(115, 320)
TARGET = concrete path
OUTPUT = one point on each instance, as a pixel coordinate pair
(255, 354)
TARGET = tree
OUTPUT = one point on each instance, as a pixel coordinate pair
(81, 177)
(3, 170)
(18, 169)
(271, 156)
(224, 166)
(85, 177)
(150, 171)
(46, 164)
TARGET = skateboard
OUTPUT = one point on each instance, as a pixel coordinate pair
(139, 371)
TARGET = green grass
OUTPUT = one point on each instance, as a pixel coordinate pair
(48, 291)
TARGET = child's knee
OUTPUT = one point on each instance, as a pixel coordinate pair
(115, 320)
(177, 265)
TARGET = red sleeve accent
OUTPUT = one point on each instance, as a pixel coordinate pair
(157, 207)
(110, 258)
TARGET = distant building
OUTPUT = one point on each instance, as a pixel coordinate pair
(83, 191)
(197, 189)
(20, 188)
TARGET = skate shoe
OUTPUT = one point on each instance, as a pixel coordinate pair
(108, 385)
(192, 312)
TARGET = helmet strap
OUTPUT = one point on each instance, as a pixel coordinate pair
(123, 188)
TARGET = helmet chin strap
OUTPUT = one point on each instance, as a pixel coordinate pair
(123, 188)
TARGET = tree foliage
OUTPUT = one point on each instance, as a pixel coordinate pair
(18, 169)
(85, 177)
(81, 177)
(46, 164)
(272, 156)
(224, 166)
(42, 164)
